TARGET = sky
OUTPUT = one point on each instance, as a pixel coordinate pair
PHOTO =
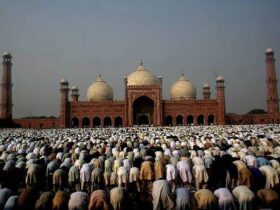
(78, 39)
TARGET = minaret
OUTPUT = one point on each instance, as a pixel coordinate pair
(64, 104)
(271, 83)
(75, 93)
(6, 91)
(221, 104)
(206, 91)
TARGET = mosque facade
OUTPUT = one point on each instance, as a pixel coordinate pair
(143, 103)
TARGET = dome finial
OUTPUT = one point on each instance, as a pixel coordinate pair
(141, 62)
(99, 78)
(182, 73)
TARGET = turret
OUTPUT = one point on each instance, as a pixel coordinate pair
(221, 104)
(75, 93)
(206, 91)
(64, 104)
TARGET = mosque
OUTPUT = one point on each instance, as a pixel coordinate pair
(143, 103)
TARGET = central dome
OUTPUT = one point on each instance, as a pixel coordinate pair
(141, 76)
(182, 89)
(100, 91)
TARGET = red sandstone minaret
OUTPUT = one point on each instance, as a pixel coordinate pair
(271, 83)
(206, 91)
(64, 104)
(221, 104)
(6, 91)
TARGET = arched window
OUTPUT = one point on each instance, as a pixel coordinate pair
(211, 119)
(179, 120)
(168, 120)
(96, 122)
(75, 122)
(200, 120)
(107, 122)
(85, 122)
(190, 120)
(118, 122)
(143, 111)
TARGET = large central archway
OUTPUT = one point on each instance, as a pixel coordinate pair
(143, 111)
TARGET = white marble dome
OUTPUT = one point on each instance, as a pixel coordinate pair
(269, 50)
(219, 79)
(206, 85)
(100, 91)
(6, 53)
(63, 80)
(141, 76)
(183, 89)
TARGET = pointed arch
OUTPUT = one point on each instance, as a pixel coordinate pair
(75, 122)
(200, 119)
(211, 120)
(96, 122)
(118, 122)
(107, 122)
(168, 120)
(190, 120)
(179, 120)
(85, 122)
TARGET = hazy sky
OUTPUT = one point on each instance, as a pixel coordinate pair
(77, 39)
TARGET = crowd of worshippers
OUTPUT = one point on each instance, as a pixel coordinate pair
(225, 167)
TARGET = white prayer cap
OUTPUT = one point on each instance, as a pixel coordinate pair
(135, 150)
(175, 153)
(59, 155)
(2, 148)
(136, 155)
(21, 152)
(172, 144)
(158, 154)
(222, 153)
(183, 144)
(245, 150)
(207, 152)
(30, 156)
(77, 150)
(234, 155)
(193, 153)
(79, 163)
(167, 152)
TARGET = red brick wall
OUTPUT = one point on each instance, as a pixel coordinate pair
(235, 119)
(37, 123)
(190, 107)
(100, 109)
